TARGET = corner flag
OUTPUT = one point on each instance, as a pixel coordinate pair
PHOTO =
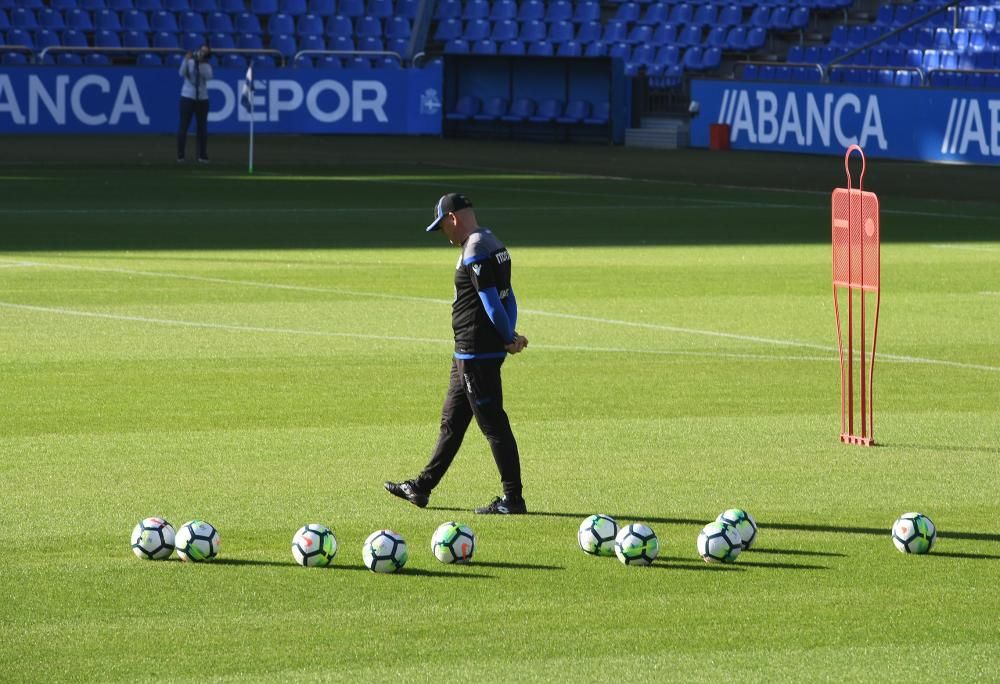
(246, 99)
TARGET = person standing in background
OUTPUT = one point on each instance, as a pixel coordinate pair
(196, 72)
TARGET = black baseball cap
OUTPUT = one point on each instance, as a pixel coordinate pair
(448, 204)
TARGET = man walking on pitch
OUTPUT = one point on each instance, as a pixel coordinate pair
(483, 316)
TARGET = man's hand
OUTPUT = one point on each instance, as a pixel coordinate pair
(518, 345)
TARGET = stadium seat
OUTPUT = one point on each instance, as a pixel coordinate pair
(45, 38)
(731, 15)
(512, 48)
(220, 22)
(14, 59)
(368, 27)
(192, 22)
(69, 59)
(323, 8)
(502, 10)
(164, 21)
(466, 107)
(484, 47)
(588, 32)
(717, 38)
(749, 73)
(504, 30)
(249, 41)
(309, 25)
(295, 8)
(600, 114)
(263, 7)
(533, 31)
(177, 5)
(397, 27)
(690, 36)
(91, 5)
(476, 9)
(665, 34)
(135, 39)
(380, 9)
(779, 18)
(342, 43)
(587, 10)
(493, 109)
(655, 14)
(161, 39)
(627, 12)
(93, 59)
(576, 112)
(639, 34)
(447, 29)
(448, 9)
(756, 38)
(597, 48)
(234, 62)
(542, 48)
(47, 18)
(615, 32)
(245, 23)
(570, 48)
(280, 24)
(311, 43)
(136, 20)
(107, 39)
(548, 110)
(149, 5)
(148, 60)
(456, 46)
(371, 44)
(531, 10)
(799, 18)
(705, 14)
(681, 13)
(203, 6)
(284, 44)
(520, 110)
(222, 41)
(23, 18)
(54, 4)
(477, 29)
(340, 25)
(558, 10)
(560, 32)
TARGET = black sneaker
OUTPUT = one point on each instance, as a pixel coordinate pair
(504, 506)
(408, 490)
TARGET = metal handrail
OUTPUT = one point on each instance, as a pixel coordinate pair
(872, 67)
(961, 71)
(351, 53)
(154, 50)
(19, 48)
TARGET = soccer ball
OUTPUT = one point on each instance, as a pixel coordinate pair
(314, 545)
(197, 541)
(744, 524)
(153, 539)
(636, 544)
(914, 533)
(453, 543)
(597, 535)
(384, 551)
(719, 542)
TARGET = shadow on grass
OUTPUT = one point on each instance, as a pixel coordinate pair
(417, 572)
(946, 447)
(973, 556)
(669, 563)
(795, 552)
(781, 566)
(250, 561)
(515, 566)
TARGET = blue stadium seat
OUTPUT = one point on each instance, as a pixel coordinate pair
(193, 22)
(531, 10)
(988, 19)
(571, 48)
(779, 18)
(262, 7)
(23, 18)
(600, 114)
(161, 39)
(69, 59)
(799, 18)
(249, 41)
(407, 9)
(177, 5)
(903, 14)
(203, 6)
(681, 13)
(558, 10)
(97, 60)
(639, 34)
(55, 4)
(456, 46)
(136, 20)
(627, 12)
(149, 5)
(398, 27)
(106, 39)
(520, 110)
(620, 51)
(903, 78)
(731, 15)
(503, 9)
(975, 80)
(533, 31)
(560, 32)
(690, 36)
(476, 9)
(14, 59)
(542, 48)
(665, 34)
(597, 48)
(309, 25)
(705, 14)
(884, 16)
(5, 22)
(280, 24)
(312, 43)
(264, 61)
(615, 32)
(576, 112)
(339, 25)
(368, 27)
(295, 8)
(588, 32)
(692, 58)
(512, 48)
(284, 44)
(220, 22)
(466, 107)
(548, 110)
(447, 29)
(245, 23)
(45, 38)
(749, 73)
(484, 47)
(173, 60)
(655, 14)
(234, 62)
(192, 41)
(448, 9)
(222, 41)
(371, 44)
(477, 29)
(47, 18)
(380, 9)
(504, 30)
(587, 10)
(399, 45)
(977, 40)
(135, 39)
(147, 59)
(493, 109)
(761, 16)
(343, 43)
(756, 37)
(92, 5)
(717, 38)
(323, 8)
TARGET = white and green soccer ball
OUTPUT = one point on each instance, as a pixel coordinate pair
(197, 541)
(744, 524)
(719, 542)
(384, 551)
(314, 545)
(914, 533)
(597, 535)
(636, 544)
(153, 539)
(453, 543)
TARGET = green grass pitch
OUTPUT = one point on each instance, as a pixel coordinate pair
(263, 352)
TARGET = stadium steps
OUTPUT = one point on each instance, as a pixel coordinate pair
(665, 133)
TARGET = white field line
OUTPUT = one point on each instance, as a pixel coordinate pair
(17, 264)
(536, 312)
(967, 248)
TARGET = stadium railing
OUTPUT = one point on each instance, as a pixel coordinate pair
(54, 49)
